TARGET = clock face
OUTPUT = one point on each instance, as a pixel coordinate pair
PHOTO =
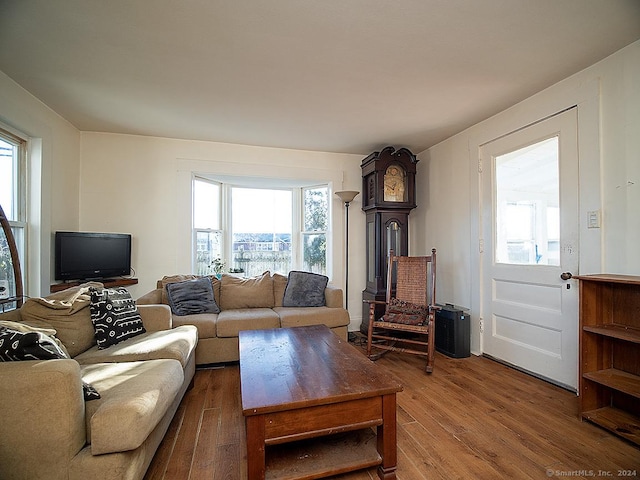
(395, 184)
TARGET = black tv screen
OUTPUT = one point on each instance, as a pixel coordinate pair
(85, 255)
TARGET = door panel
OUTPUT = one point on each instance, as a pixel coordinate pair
(529, 215)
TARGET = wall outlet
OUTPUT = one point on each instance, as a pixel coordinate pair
(4, 289)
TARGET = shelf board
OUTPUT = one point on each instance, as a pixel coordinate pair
(617, 379)
(323, 456)
(621, 332)
(108, 283)
(617, 421)
(610, 278)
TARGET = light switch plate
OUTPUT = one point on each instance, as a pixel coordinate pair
(593, 219)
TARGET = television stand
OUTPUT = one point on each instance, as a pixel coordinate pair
(107, 282)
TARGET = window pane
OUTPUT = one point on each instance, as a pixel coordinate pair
(553, 232)
(316, 220)
(315, 209)
(520, 244)
(527, 201)
(206, 204)
(261, 230)
(208, 249)
(315, 253)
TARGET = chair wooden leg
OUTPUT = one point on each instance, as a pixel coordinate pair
(431, 345)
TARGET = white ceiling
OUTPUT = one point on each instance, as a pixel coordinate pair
(329, 75)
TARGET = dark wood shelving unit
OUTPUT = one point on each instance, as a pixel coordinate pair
(108, 283)
(610, 353)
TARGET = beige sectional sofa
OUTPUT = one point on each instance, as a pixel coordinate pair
(249, 304)
(48, 429)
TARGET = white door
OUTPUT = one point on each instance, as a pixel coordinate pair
(529, 215)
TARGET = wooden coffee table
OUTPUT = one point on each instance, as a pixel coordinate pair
(310, 401)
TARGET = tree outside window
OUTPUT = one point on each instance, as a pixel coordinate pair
(314, 236)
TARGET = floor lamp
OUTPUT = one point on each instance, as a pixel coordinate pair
(347, 197)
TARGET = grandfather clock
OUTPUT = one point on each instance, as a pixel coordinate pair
(389, 194)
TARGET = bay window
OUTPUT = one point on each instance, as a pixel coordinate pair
(249, 229)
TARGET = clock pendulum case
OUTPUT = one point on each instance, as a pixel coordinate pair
(389, 194)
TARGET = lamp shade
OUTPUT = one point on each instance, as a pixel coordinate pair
(347, 195)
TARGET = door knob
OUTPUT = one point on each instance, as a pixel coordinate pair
(566, 275)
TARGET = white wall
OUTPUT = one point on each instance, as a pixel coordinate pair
(141, 185)
(620, 165)
(54, 164)
(608, 98)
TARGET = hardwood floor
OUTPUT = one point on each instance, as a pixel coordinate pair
(472, 418)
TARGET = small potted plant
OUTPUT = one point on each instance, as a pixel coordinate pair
(218, 266)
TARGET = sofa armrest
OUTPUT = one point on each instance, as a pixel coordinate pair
(333, 297)
(12, 315)
(42, 423)
(156, 317)
(154, 297)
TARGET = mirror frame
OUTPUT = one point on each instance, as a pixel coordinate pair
(15, 261)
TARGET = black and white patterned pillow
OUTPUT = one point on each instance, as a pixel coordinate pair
(16, 346)
(114, 315)
(89, 391)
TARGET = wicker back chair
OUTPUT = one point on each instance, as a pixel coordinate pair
(409, 321)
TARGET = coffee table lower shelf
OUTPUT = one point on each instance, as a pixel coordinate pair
(322, 456)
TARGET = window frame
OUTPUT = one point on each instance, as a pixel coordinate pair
(303, 233)
(17, 217)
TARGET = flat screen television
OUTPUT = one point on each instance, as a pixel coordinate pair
(86, 255)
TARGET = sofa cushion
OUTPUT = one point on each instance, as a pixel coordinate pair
(230, 322)
(114, 315)
(255, 292)
(192, 296)
(303, 316)
(204, 322)
(135, 397)
(68, 313)
(279, 286)
(305, 289)
(176, 344)
(401, 311)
